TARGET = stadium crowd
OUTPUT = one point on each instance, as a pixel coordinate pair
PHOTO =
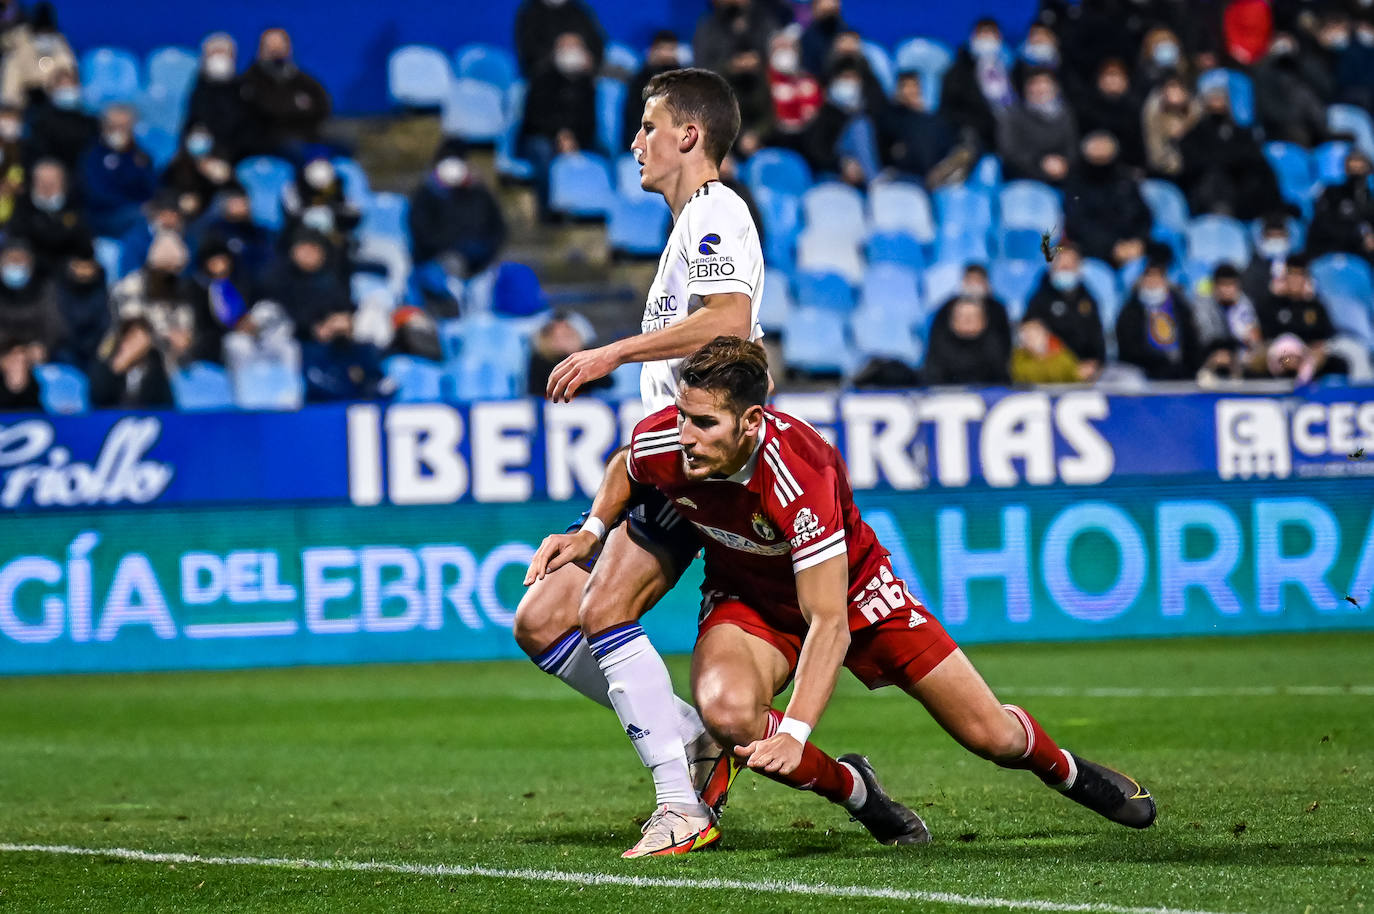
(1142, 189)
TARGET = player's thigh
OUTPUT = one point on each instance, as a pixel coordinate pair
(549, 609)
(629, 578)
(735, 674)
(961, 702)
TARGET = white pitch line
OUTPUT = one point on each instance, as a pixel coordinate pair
(601, 879)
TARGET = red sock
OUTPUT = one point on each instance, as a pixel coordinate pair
(817, 771)
(1043, 756)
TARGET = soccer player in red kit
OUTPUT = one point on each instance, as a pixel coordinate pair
(797, 585)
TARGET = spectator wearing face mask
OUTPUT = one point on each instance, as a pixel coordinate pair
(827, 22)
(287, 107)
(848, 50)
(197, 173)
(117, 176)
(1170, 112)
(1235, 311)
(729, 27)
(12, 170)
(1103, 210)
(160, 214)
(19, 390)
(538, 23)
(796, 93)
(975, 284)
(828, 145)
(914, 141)
(84, 302)
(1112, 106)
(970, 343)
(216, 104)
(1038, 139)
(1293, 311)
(130, 372)
(316, 201)
(58, 127)
(1040, 51)
(1286, 105)
(28, 309)
(749, 79)
(1224, 169)
(560, 110)
(1068, 312)
(48, 218)
(304, 280)
(1343, 221)
(1270, 259)
(337, 367)
(28, 52)
(563, 334)
(977, 87)
(158, 293)
(662, 56)
(454, 212)
(1161, 56)
(1156, 331)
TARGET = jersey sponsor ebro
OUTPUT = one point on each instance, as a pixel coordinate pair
(713, 248)
(788, 509)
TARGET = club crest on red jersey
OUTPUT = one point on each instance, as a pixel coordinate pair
(763, 528)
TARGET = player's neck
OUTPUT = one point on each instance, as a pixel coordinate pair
(688, 182)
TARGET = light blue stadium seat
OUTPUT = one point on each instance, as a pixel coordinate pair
(621, 57)
(962, 249)
(268, 386)
(881, 65)
(941, 281)
(1346, 285)
(63, 390)
(892, 289)
(986, 175)
(775, 310)
(580, 186)
(879, 333)
(160, 107)
(816, 343)
(610, 108)
(108, 75)
(1101, 282)
(1293, 167)
(386, 215)
(1213, 239)
(1024, 244)
(174, 69)
(391, 256)
(473, 111)
(627, 179)
(492, 361)
(1239, 89)
(826, 251)
(834, 209)
(508, 163)
(625, 381)
(1014, 281)
(488, 63)
(160, 144)
(777, 169)
(202, 387)
(264, 177)
(825, 291)
(1328, 163)
(1030, 204)
(781, 215)
(418, 76)
(1355, 121)
(894, 247)
(963, 210)
(364, 286)
(416, 380)
(923, 55)
(517, 292)
(357, 189)
(899, 206)
(1168, 205)
(108, 253)
(483, 380)
(638, 227)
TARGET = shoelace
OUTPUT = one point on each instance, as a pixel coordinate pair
(659, 819)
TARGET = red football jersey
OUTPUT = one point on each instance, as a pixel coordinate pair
(789, 508)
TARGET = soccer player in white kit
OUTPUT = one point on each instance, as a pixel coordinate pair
(581, 623)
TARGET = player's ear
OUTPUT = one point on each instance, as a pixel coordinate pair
(691, 135)
(752, 420)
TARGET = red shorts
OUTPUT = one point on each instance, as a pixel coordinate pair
(899, 649)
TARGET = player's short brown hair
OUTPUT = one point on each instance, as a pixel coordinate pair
(731, 366)
(704, 98)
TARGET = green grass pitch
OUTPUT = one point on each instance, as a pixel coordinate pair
(1260, 752)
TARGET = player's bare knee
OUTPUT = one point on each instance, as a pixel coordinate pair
(996, 739)
(541, 618)
(732, 720)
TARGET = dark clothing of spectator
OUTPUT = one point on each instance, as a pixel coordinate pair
(985, 359)
(1093, 34)
(820, 142)
(557, 102)
(1102, 205)
(1286, 105)
(1161, 340)
(914, 142)
(1025, 137)
(816, 40)
(286, 108)
(538, 25)
(633, 113)
(59, 133)
(253, 246)
(1307, 319)
(213, 302)
(304, 295)
(755, 102)
(1119, 115)
(29, 314)
(219, 105)
(1224, 170)
(1343, 220)
(85, 309)
(115, 184)
(303, 204)
(29, 399)
(1354, 75)
(1072, 316)
(963, 101)
(465, 219)
(184, 177)
(537, 379)
(144, 385)
(341, 370)
(54, 236)
(726, 30)
(1258, 274)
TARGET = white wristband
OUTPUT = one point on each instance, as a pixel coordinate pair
(594, 526)
(796, 729)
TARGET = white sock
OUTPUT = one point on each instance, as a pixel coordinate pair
(858, 796)
(642, 694)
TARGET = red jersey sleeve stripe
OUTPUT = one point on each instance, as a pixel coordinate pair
(839, 549)
(805, 551)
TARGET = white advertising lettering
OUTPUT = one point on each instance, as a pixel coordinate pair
(33, 467)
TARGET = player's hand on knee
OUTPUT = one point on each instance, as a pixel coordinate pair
(780, 754)
(558, 550)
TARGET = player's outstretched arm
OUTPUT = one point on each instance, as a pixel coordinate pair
(612, 497)
(722, 314)
(823, 594)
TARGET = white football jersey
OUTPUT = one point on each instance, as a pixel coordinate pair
(713, 248)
